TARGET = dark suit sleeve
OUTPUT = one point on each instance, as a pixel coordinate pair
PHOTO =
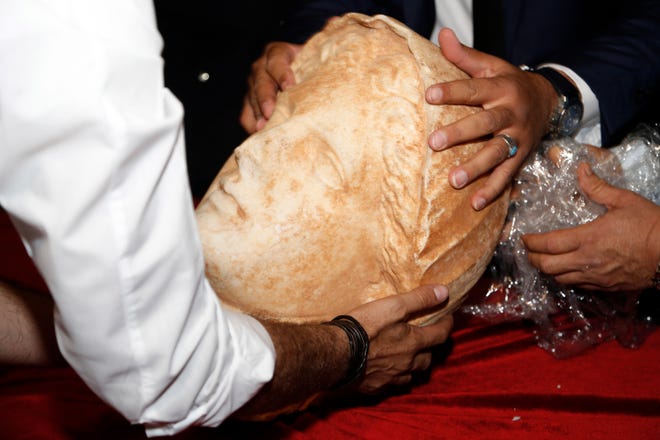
(621, 64)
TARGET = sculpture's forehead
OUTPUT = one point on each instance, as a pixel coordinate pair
(354, 53)
(356, 92)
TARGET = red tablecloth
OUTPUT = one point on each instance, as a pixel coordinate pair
(491, 381)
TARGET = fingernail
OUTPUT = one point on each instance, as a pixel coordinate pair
(433, 95)
(441, 293)
(267, 109)
(260, 123)
(459, 179)
(438, 140)
(479, 203)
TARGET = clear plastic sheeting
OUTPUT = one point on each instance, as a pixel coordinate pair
(546, 196)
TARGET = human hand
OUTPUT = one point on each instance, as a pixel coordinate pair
(397, 348)
(270, 74)
(515, 103)
(310, 357)
(617, 251)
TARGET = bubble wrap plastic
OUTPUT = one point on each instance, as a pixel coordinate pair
(545, 197)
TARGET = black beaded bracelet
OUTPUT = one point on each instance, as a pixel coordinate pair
(358, 342)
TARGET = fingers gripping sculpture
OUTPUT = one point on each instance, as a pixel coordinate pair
(338, 200)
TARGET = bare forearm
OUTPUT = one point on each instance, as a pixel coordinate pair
(314, 358)
(310, 359)
(27, 335)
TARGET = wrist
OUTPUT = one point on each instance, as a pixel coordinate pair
(358, 343)
(564, 102)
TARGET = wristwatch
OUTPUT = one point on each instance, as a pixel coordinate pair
(567, 114)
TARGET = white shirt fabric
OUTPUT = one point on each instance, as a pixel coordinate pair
(457, 16)
(93, 174)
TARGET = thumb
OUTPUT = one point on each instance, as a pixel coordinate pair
(469, 60)
(454, 51)
(400, 307)
(596, 188)
(381, 313)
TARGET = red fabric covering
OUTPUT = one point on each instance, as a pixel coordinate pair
(491, 381)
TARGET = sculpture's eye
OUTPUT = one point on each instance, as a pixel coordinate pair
(328, 168)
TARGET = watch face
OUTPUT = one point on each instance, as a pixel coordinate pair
(569, 120)
(567, 115)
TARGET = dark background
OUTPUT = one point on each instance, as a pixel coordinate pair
(221, 39)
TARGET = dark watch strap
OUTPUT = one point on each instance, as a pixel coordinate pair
(562, 85)
(567, 114)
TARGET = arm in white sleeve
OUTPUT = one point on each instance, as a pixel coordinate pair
(93, 174)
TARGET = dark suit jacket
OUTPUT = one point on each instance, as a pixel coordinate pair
(217, 41)
(613, 45)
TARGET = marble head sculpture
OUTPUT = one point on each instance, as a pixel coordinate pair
(338, 200)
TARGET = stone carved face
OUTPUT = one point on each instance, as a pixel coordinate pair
(338, 200)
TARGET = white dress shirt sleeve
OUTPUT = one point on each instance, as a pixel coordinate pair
(93, 174)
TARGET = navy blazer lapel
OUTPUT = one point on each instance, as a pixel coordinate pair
(511, 28)
(488, 19)
(496, 24)
(418, 15)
